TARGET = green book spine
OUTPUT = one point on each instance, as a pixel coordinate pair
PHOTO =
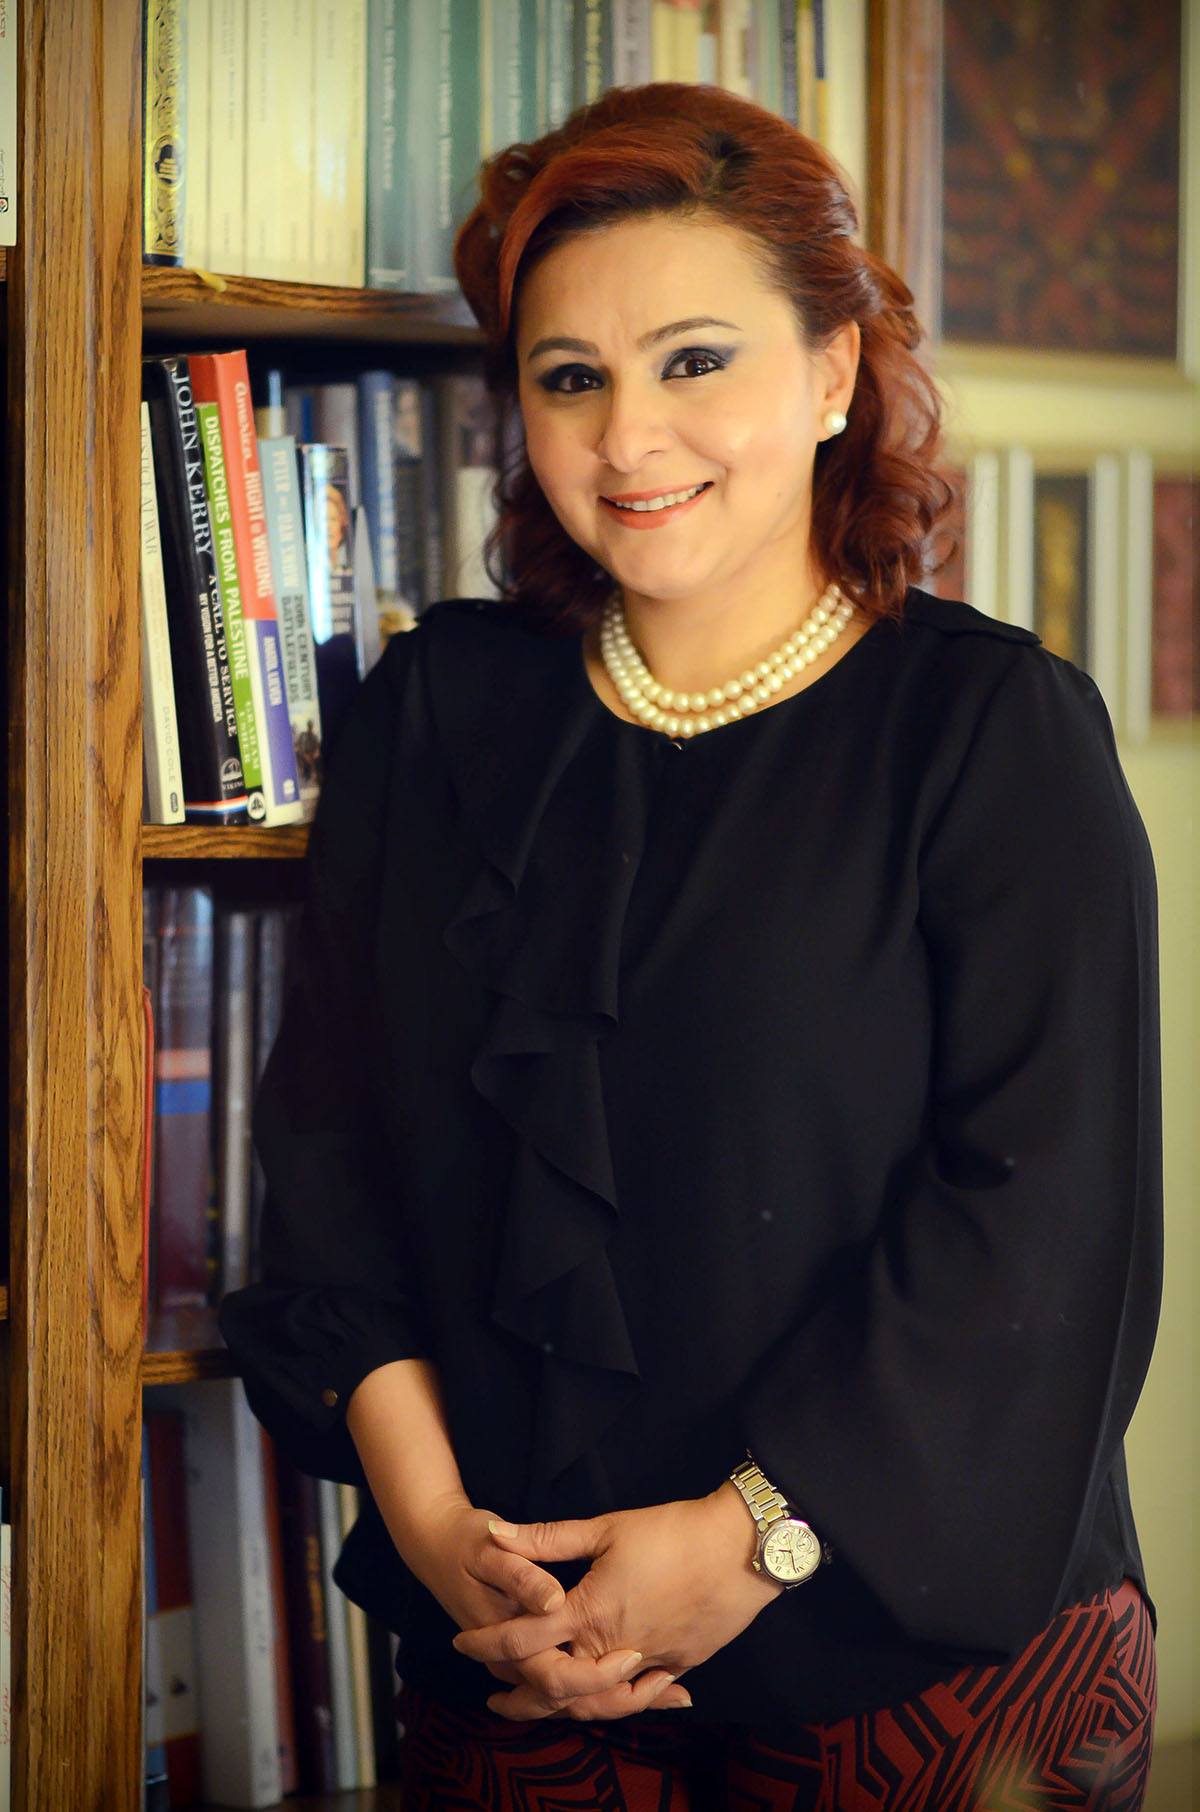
(217, 484)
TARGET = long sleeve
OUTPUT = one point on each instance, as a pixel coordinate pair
(952, 1416)
(336, 1298)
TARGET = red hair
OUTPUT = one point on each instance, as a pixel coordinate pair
(669, 148)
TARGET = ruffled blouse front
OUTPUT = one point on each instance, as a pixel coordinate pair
(794, 1087)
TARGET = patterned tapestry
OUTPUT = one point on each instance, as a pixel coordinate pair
(1061, 174)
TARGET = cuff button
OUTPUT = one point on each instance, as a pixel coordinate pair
(329, 1399)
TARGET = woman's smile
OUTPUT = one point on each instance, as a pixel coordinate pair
(653, 509)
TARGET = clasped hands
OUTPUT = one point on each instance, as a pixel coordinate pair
(667, 1586)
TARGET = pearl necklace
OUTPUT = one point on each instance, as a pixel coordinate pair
(691, 713)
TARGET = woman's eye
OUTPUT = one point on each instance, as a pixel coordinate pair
(569, 380)
(694, 362)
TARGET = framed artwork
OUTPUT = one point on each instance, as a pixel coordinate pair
(1026, 170)
(1175, 604)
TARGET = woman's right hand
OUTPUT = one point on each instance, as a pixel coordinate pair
(452, 1551)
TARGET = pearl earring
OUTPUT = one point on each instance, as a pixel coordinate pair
(835, 421)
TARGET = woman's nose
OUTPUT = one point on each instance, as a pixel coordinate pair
(636, 425)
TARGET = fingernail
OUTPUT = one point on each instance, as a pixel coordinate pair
(631, 1663)
(506, 1529)
(684, 1704)
(552, 1600)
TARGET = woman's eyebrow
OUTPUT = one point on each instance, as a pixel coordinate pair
(561, 343)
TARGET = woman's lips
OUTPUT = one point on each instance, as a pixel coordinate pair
(651, 509)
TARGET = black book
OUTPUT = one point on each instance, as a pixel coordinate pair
(214, 786)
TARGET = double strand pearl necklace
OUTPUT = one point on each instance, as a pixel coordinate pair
(691, 713)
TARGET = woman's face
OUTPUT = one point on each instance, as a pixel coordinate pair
(672, 411)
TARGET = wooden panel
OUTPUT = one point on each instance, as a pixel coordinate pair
(185, 1344)
(196, 842)
(74, 787)
(904, 140)
(194, 308)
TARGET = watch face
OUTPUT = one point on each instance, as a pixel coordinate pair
(790, 1553)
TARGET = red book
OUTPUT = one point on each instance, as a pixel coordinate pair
(183, 1097)
(174, 1615)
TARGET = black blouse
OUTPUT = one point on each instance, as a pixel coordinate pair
(793, 1088)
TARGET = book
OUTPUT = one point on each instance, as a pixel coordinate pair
(339, 122)
(233, 1066)
(513, 85)
(296, 50)
(366, 608)
(329, 550)
(289, 1771)
(360, 1670)
(266, 30)
(214, 788)
(155, 1794)
(592, 57)
(164, 88)
(389, 221)
(183, 1097)
(9, 127)
(231, 1575)
(385, 1720)
(198, 18)
(308, 1637)
(444, 119)
(411, 472)
(341, 1690)
(227, 137)
(467, 460)
(633, 42)
(285, 529)
(377, 414)
(274, 928)
(556, 84)
(147, 1190)
(245, 693)
(335, 421)
(162, 773)
(223, 378)
(173, 1617)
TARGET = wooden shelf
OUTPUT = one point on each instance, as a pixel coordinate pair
(184, 1345)
(3, 1302)
(198, 307)
(386, 1797)
(235, 842)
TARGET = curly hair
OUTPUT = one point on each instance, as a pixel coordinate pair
(670, 148)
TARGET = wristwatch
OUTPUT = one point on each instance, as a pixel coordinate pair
(789, 1552)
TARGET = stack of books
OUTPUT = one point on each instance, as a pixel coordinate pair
(337, 141)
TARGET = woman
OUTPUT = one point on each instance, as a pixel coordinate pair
(713, 1143)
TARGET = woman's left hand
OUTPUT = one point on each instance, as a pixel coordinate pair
(673, 1581)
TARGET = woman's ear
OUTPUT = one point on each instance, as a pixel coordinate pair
(839, 361)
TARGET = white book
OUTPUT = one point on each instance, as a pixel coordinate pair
(227, 138)
(160, 726)
(231, 1578)
(368, 636)
(266, 26)
(360, 1675)
(632, 37)
(197, 100)
(339, 111)
(8, 125)
(341, 1691)
(235, 1072)
(297, 137)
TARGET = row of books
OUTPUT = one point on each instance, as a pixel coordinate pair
(337, 141)
(261, 1678)
(275, 565)
(215, 980)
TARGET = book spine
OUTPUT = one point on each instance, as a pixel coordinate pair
(633, 44)
(389, 222)
(297, 136)
(593, 53)
(467, 453)
(408, 486)
(227, 137)
(245, 690)
(433, 553)
(231, 1575)
(164, 117)
(336, 422)
(377, 411)
(285, 529)
(354, 26)
(223, 378)
(557, 84)
(153, 1691)
(196, 249)
(175, 1618)
(183, 1096)
(9, 159)
(233, 1062)
(266, 28)
(341, 1690)
(360, 1673)
(444, 114)
(366, 607)
(328, 530)
(735, 30)
(333, 109)
(308, 1636)
(285, 1702)
(214, 788)
(767, 85)
(163, 802)
(151, 906)
(792, 41)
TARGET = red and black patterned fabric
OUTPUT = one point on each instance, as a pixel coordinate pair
(1066, 1727)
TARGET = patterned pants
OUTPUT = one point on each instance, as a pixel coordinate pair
(1066, 1727)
